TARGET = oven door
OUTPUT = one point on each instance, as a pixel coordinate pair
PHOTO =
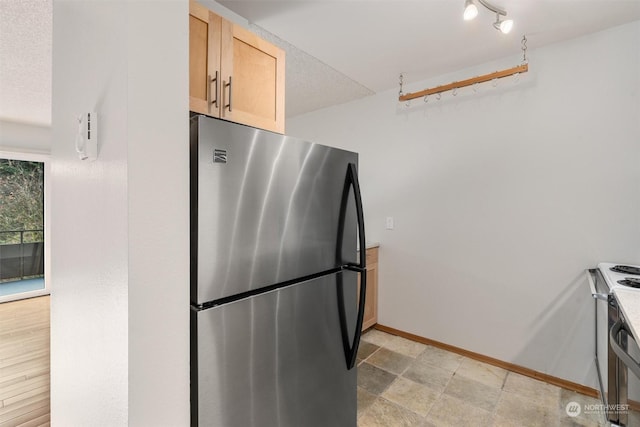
(606, 314)
(616, 387)
(626, 350)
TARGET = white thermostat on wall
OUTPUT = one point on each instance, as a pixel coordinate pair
(87, 137)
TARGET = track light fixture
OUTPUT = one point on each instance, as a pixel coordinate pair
(471, 11)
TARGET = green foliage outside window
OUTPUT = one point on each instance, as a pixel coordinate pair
(21, 201)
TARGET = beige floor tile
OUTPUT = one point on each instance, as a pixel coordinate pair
(498, 421)
(449, 411)
(427, 393)
(366, 349)
(441, 358)
(404, 346)
(383, 413)
(590, 409)
(373, 379)
(474, 393)
(534, 390)
(411, 395)
(429, 375)
(365, 399)
(524, 412)
(579, 422)
(634, 419)
(376, 337)
(484, 373)
(390, 361)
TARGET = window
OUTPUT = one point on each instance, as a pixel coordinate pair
(22, 228)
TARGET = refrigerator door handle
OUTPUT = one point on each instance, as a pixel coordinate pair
(351, 349)
(351, 180)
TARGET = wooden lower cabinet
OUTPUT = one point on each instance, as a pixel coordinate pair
(371, 299)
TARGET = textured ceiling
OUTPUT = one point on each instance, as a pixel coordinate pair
(311, 84)
(25, 61)
(337, 50)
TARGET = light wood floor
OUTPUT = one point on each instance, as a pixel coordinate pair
(24, 363)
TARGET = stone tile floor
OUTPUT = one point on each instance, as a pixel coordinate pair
(406, 383)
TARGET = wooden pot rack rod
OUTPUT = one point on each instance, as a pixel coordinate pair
(456, 85)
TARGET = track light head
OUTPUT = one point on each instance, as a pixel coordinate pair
(504, 26)
(470, 10)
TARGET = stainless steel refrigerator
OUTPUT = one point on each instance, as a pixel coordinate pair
(275, 309)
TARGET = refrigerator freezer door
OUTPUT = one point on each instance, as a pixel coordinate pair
(264, 209)
(275, 359)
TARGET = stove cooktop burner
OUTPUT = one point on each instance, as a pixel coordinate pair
(630, 281)
(626, 269)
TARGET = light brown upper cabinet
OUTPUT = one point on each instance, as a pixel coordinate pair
(234, 74)
(204, 60)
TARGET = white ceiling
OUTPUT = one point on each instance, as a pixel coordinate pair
(373, 41)
(337, 50)
(25, 61)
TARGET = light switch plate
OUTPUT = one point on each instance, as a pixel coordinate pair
(389, 223)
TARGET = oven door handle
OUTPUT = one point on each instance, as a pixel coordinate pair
(592, 284)
(618, 327)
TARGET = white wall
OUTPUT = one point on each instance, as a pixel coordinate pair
(120, 270)
(89, 299)
(158, 183)
(502, 198)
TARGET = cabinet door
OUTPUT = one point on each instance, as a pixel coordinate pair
(204, 60)
(253, 79)
(371, 305)
(370, 317)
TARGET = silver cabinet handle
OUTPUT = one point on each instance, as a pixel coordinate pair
(594, 293)
(619, 351)
(215, 82)
(229, 85)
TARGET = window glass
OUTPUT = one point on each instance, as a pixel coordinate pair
(21, 226)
